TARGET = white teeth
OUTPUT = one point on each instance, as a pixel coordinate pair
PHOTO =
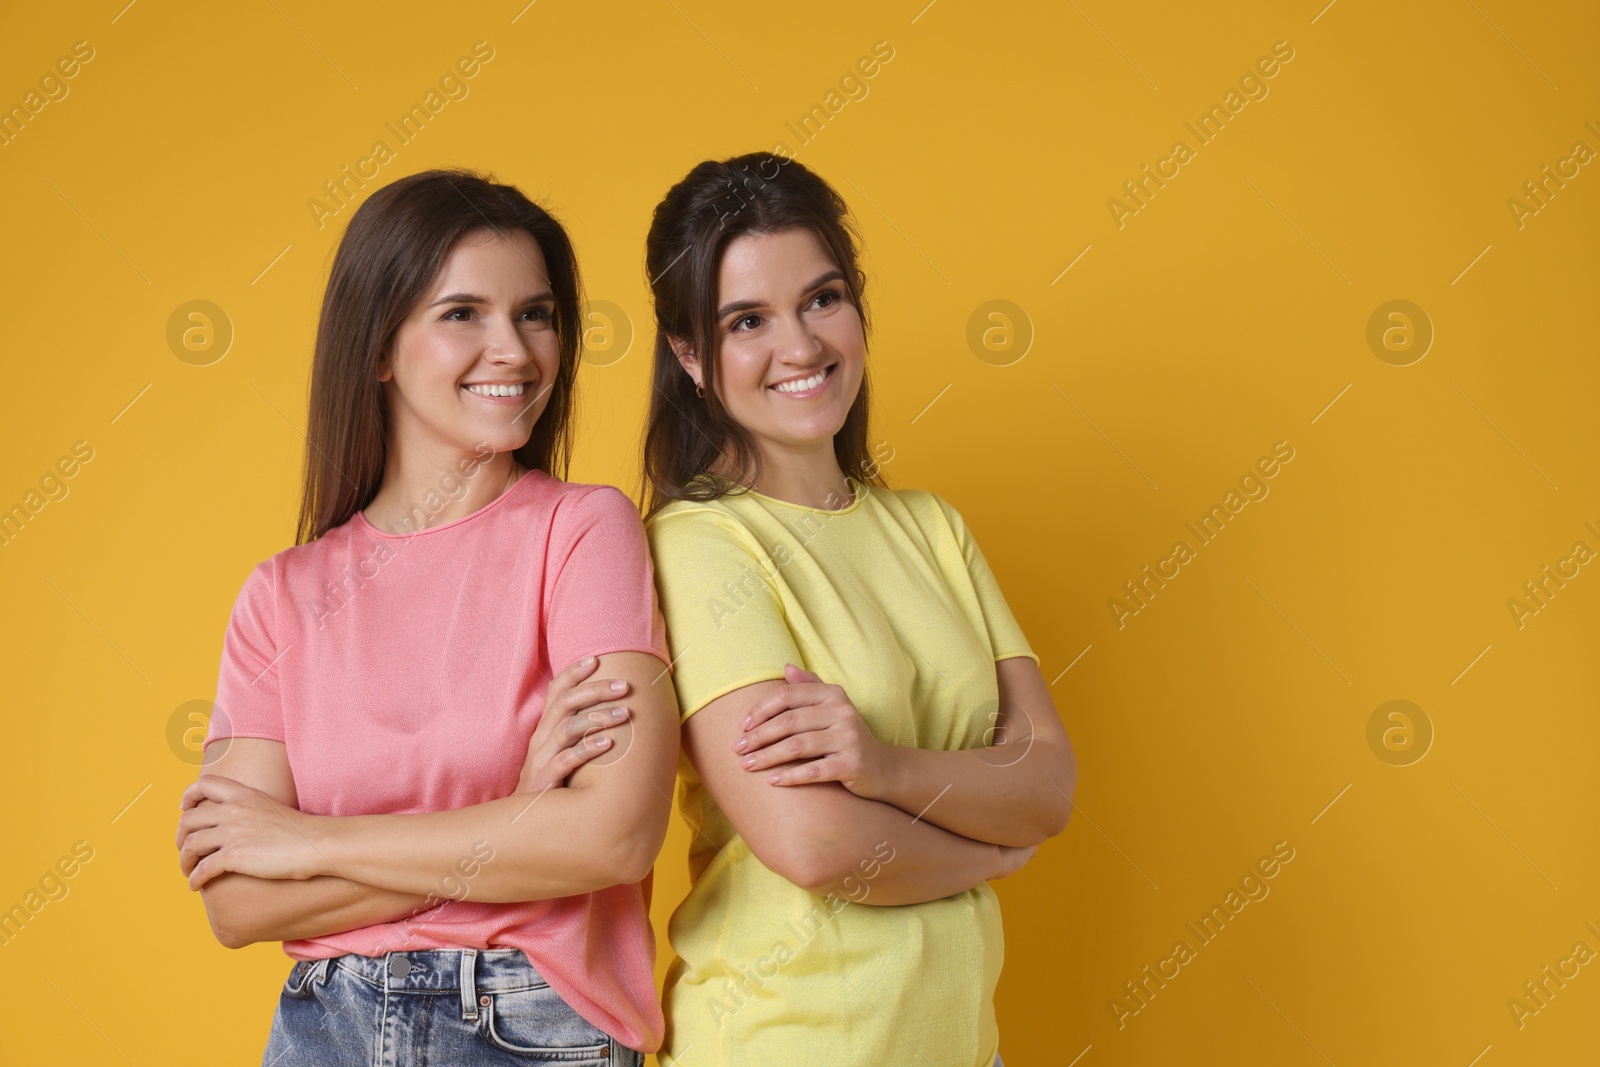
(800, 386)
(497, 390)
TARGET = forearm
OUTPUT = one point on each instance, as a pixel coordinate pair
(1017, 794)
(874, 853)
(926, 863)
(562, 842)
(244, 909)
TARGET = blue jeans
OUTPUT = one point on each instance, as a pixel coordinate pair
(432, 1008)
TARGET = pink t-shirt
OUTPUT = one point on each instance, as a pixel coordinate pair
(406, 673)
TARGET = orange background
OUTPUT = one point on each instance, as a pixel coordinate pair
(1139, 371)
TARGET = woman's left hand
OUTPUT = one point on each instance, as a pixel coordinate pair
(229, 826)
(810, 720)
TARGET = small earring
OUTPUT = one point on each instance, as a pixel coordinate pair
(699, 391)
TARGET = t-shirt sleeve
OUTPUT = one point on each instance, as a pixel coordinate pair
(600, 597)
(1005, 635)
(725, 618)
(248, 702)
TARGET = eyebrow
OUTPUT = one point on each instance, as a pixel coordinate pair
(747, 305)
(471, 298)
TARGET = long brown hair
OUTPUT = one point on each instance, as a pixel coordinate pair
(390, 254)
(687, 436)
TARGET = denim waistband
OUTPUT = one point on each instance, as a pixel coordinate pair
(474, 972)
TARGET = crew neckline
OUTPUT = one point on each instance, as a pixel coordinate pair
(361, 514)
(859, 488)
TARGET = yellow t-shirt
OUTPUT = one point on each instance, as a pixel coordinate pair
(891, 599)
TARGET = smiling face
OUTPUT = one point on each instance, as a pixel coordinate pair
(475, 360)
(790, 345)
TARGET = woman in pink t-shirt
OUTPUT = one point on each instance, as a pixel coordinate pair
(441, 760)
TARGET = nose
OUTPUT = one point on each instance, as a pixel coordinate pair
(504, 343)
(798, 343)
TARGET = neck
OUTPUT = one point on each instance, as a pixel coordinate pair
(421, 491)
(811, 479)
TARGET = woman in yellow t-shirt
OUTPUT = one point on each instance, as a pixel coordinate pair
(867, 737)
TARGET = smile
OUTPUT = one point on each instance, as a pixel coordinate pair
(806, 387)
(496, 389)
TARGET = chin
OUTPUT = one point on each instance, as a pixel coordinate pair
(812, 435)
(495, 439)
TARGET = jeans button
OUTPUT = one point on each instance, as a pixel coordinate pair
(399, 966)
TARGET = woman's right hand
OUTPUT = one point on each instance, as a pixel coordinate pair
(577, 724)
(1013, 858)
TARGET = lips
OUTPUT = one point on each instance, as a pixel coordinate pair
(808, 386)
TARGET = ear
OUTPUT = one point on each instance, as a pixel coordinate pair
(686, 356)
(385, 367)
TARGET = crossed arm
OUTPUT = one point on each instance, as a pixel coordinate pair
(952, 819)
(1017, 791)
(270, 872)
